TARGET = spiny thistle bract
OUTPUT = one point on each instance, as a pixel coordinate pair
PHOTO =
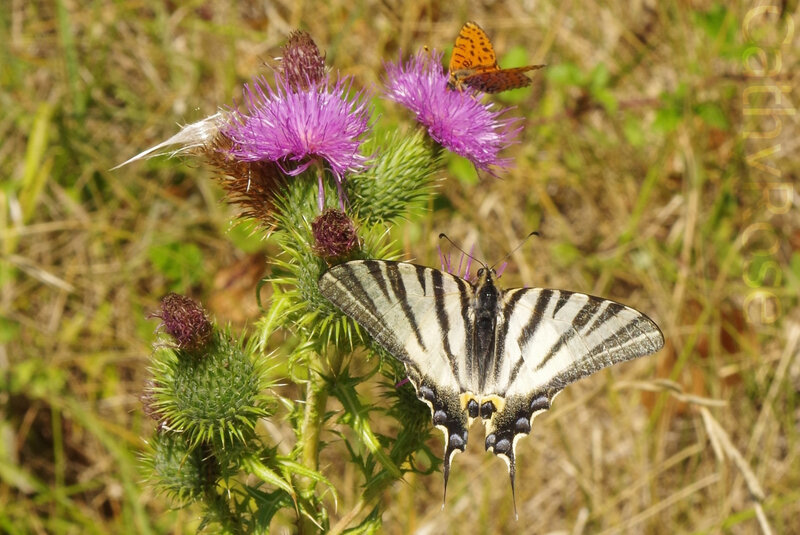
(176, 468)
(305, 159)
(216, 395)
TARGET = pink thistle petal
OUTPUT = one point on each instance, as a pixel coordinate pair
(456, 120)
(301, 127)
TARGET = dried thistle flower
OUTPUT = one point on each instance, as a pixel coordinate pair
(302, 66)
(334, 234)
(185, 320)
(254, 186)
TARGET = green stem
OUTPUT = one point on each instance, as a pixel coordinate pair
(346, 520)
(230, 522)
(316, 399)
(313, 418)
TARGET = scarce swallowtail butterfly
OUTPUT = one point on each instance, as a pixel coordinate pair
(473, 350)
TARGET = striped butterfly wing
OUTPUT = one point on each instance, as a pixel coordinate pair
(422, 316)
(543, 340)
(547, 339)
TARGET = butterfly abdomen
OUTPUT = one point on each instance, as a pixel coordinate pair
(487, 298)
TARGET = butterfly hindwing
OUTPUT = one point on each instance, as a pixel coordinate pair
(501, 80)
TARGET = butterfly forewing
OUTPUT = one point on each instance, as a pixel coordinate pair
(554, 337)
(414, 312)
(472, 50)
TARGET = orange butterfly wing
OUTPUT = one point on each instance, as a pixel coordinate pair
(473, 51)
(474, 63)
(500, 80)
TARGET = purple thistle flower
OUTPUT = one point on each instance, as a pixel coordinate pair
(298, 128)
(454, 119)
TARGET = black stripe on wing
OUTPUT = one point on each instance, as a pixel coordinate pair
(592, 309)
(361, 291)
(542, 302)
(399, 288)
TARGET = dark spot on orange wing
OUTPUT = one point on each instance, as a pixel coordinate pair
(472, 54)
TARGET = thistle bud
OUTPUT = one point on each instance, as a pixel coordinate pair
(334, 234)
(185, 320)
(302, 63)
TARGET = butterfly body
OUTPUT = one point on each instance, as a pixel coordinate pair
(474, 64)
(474, 350)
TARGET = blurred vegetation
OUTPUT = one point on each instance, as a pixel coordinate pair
(657, 161)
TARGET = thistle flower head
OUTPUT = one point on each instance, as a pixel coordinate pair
(185, 320)
(254, 186)
(334, 234)
(299, 128)
(302, 65)
(454, 119)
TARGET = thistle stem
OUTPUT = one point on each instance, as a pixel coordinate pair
(321, 185)
(214, 501)
(348, 519)
(313, 418)
(316, 399)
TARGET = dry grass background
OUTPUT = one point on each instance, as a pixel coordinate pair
(652, 202)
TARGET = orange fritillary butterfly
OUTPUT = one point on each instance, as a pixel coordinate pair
(474, 64)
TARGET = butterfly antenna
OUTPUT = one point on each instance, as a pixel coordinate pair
(515, 249)
(444, 236)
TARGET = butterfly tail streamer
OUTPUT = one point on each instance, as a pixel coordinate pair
(511, 474)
